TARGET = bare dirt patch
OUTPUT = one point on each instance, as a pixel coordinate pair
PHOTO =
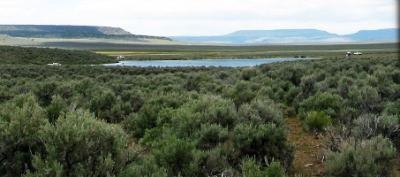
(308, 150)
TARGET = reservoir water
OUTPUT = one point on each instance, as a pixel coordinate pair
(203, 62)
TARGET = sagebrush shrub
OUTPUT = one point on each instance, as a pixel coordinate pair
(248, 73)
(214, 109)
(241, 93)
(210, 136)
(317, 121)
(368, 158)
(176, 155)
(145, 168)
(261, 111)
(56, 108)
(331, 104)
(22, 126)
(80, 145)
(369, 125)
(263, 142)
(250, 168)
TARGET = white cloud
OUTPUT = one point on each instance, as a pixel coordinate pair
(184, 17)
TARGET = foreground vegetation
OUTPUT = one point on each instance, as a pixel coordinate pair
(97, 121)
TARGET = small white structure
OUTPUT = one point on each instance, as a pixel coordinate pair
(120, 57)
(357, 53)
(54, 64)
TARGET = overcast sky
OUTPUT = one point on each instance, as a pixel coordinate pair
(204, 17)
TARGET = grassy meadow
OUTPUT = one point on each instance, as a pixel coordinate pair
(150, 52)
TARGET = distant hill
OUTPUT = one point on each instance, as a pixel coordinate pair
(65, 31)
(375, 35)
(289, 36)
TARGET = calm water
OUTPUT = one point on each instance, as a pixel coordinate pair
(203, 62)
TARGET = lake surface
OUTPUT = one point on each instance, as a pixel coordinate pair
(203, 62)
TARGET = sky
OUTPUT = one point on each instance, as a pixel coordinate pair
(204, 17)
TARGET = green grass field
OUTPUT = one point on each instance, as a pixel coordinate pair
(154, 52)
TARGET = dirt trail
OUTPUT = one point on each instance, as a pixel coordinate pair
(396, 169)
(308, 150)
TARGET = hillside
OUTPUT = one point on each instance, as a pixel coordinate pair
(293, 36)
(64, 31)
(375, 35)
(272, 36)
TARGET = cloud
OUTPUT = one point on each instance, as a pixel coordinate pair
(196, 17)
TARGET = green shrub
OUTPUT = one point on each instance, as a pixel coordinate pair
(44, 92)
(275, 170)
(66, 90)
(135, 99)
(294, 73)
(369, 125)
(193, 83)
(146, 168)
(250, 168)
(210, 136)
(182, 122)
(149, 114)
(22, 125)
(392, 108)
(56, 108)
(329, 103)
(85, 86)
(82, 146)
(366, 99)
(102, 104)
(269, 111)
(261, 111)
(262, 142)
(45, 168)
(317, 121)
(369, 158)
(176, 156)
(308, 85)
(214, 161)
(344, 86)
(291, 94)
(241, 93)
(137, 124)
(248, 73)
(214, 110)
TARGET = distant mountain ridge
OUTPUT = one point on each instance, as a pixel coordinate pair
(282, 36)
(373, 35)
(69, 31)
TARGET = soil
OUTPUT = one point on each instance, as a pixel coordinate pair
(308, 150)
(396, 169)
